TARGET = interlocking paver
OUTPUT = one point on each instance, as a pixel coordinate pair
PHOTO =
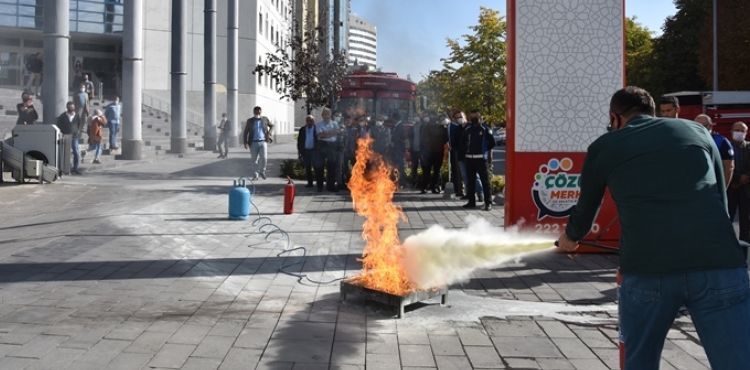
(484, 357)
(159, 278)
(416, 355)
(172, 355)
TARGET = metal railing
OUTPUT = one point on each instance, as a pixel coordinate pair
(163, 106)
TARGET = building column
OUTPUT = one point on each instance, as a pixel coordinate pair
(132, 80)
(178, 114)
(209, 73)
(55, 86)
(232, 71)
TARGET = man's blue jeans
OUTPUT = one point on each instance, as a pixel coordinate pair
(718, 302)
(114, 128)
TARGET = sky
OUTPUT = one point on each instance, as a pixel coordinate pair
(412, 33)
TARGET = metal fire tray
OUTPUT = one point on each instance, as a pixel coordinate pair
(349, 287)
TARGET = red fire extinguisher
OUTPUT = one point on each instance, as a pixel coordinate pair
(289, 197)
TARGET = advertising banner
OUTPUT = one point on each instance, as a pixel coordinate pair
(565, 60)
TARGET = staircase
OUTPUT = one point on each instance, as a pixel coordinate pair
(155, 129)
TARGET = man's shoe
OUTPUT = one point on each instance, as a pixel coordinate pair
(75, 172)
(460, 195)
(464, 197)
(480, 199)
(469, 205)
(309, 185)
(423, 191)
(488, 206)
(435, 191)
(220, 156)
(96, 161)
(263, 175)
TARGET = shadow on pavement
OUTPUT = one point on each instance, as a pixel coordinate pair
(570, 279)
(316, 334)
(169, 268)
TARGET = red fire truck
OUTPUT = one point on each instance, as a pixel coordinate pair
(724, 107)
(377, 94)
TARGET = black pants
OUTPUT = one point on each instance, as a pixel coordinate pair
(328, 157)
(415, 162)
(431, 163)
(740, 199)
(458, 184)
(476, 166)
(308, 162)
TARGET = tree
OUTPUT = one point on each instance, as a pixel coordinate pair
(639, 49)
(473, 75)
(300, 69)
(676, 52)
(734, 46)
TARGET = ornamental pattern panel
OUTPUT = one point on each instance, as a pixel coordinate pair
(569, 56)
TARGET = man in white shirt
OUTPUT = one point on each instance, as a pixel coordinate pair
(328, 131)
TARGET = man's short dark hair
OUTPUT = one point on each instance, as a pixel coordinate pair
(630, 100)
(665, 99)
(256, 108)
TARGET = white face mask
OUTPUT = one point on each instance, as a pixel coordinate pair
(446, 121)
(461, 121)
(426, 119)
(379, 123)
(738, 135)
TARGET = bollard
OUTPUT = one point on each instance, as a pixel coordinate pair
(239, 200)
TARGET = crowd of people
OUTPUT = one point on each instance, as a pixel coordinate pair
(327, 148)
(79, 119)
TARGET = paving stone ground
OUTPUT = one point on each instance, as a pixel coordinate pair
(136, 267)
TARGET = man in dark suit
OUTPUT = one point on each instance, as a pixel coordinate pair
(69, 123)
(738, 193)
(306, 148)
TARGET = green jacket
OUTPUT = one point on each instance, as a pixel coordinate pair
(666, 177)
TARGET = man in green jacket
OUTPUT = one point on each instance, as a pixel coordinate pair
(678, 247)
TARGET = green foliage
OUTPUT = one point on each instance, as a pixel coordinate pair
(498, 184)
(676, 52)
(639, 49)
(734, 46)
(292, 168)
(300, 69)
(473, 75)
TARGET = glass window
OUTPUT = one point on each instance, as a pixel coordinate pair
(356, 107)
(260, 23)
(388, 106)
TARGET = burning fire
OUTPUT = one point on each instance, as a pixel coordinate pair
(372, 191)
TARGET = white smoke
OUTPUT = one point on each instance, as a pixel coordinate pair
(439, 257)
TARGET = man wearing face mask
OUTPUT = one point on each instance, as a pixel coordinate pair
(725, 147)
(434, 138)
(477, 141)
(328, 131)
(678, 247)
(455, 132)
(381, 137)
(738, 193)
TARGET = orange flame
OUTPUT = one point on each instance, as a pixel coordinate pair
(372, 192)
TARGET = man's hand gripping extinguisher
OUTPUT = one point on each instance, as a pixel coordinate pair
(289, 197)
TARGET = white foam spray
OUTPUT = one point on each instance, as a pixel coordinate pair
(439, 257)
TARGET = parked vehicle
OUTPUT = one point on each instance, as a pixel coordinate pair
(499, 135)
